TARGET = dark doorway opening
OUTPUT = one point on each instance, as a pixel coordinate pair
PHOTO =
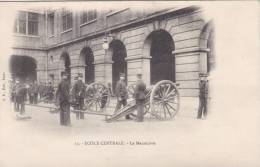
(162, 64)
(23, 68)
(118, 51)
(66, 60)
(87, 59)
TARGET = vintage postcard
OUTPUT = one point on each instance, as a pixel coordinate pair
(130, 83)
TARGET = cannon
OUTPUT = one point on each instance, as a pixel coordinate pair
(162, 101)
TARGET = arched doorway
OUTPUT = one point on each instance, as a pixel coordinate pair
(65, 65)
(159, 46)
(207, 42)
(118, 51)
(87, 59)
(23, 68)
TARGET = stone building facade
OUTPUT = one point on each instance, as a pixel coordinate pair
(175, 44)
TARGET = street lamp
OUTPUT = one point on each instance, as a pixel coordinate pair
(105, 43)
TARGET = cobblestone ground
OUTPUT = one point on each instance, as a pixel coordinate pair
(181, 142)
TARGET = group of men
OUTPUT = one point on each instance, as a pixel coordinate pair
(20, 90)
(66, 96)
(139, 95)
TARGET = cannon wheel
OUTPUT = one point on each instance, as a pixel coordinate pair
(97, 97)
(164, 100)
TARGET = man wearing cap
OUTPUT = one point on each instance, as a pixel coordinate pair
(203, 88)
(78, 93)
(139, 95)
(64, 99)
(121, 94)
(20, 96)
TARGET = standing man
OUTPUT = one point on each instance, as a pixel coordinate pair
(35, 92)
(20, 96)
(64, 99)
(49, 92)
(14, 91)
(41, 87)
(30, 93)
(121, 94)
(139, 95)
(78, 93)
(203, 87)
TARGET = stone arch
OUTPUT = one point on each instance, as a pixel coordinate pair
(65, 63)
(86, 60)
(23, 67)
(207, 37)
(117, 54)
(159, 45)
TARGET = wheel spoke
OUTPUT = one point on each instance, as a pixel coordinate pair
(173, 92)
(171, 107)
(168, 110)
(164, 112)
(168, 89)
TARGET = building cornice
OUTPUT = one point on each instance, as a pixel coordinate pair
(133, 23)
(30, 48)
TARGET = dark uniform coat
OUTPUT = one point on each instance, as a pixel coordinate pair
(49, 92)
(139, 95)
(78, 94)
(20, 96)
(122, 95)
(139, 92)
(78, 90)
(64, 101)
(121, 90)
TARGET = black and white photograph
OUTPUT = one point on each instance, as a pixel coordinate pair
(130, 83)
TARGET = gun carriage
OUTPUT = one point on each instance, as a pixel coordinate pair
(162, 101)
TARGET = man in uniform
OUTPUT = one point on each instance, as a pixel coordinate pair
(121, 94)
(203, 87)
(139, 95)
(64, 99)
(30, 93)
(49, 92)
(14, 88)
(78, 93)
(41, 90)
(20, 96)
(35, 92)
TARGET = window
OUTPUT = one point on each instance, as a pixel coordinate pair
(66, 20)
(20, 23)
(32, 23)
(51, 23)
(26, 23)
(88, 16)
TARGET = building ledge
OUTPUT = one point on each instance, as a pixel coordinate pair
(137, 57)
(86, 23)
(68, 30)
(188, 50)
